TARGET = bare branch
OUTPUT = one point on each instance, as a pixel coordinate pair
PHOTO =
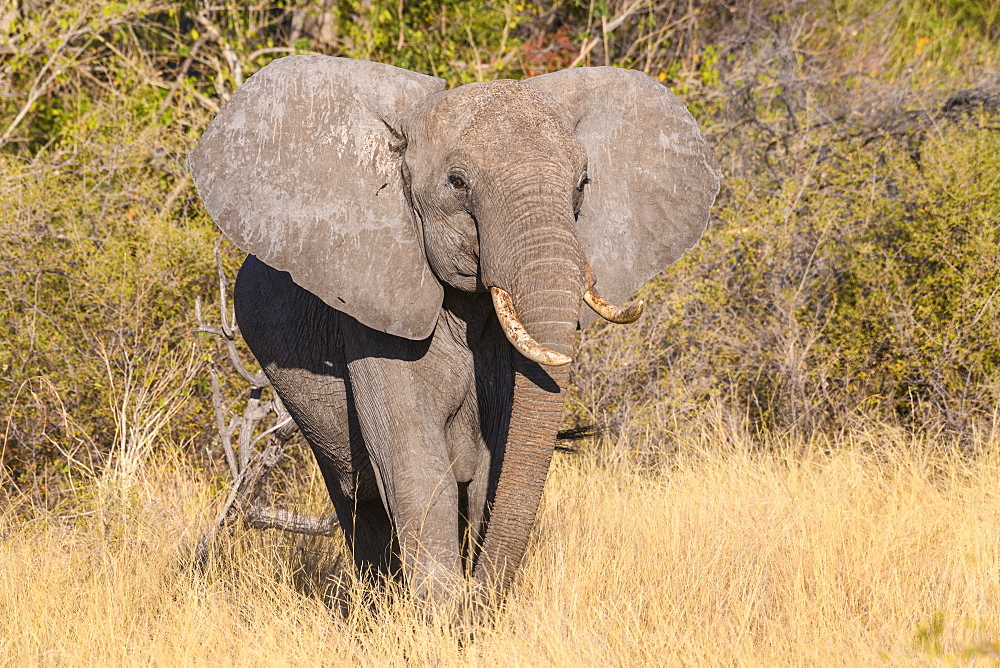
(228, 331)
(181, 73)
(226, 327)
(205, 102)
(274, 518)
(606, 27)
(227, 50)
(181, 185)
(246, 427)
(37, 87)
(225, 432)
(248, 466)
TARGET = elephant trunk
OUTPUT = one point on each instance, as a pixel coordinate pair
(534, 422)
(540, 267)
(528, 249)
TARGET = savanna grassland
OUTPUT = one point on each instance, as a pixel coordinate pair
(876, 548)
(797, 453)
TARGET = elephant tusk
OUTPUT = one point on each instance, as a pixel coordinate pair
(602, 307)
(518, 336)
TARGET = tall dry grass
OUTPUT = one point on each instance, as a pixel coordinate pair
(878, 548)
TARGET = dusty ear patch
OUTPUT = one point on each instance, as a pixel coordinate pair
(302, 169)
(653, 177)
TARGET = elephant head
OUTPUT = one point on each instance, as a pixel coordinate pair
(374, 188)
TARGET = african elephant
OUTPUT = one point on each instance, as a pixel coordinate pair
(418, 260)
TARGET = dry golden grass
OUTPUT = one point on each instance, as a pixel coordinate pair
(884, 549)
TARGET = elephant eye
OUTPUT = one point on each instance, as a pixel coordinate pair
(456, 182)
(584, 181)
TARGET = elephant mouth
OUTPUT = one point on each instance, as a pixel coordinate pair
(536, 352)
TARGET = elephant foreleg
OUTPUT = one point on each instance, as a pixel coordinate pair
(296, 338)
(405, 439)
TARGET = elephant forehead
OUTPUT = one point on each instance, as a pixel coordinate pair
(481, 112)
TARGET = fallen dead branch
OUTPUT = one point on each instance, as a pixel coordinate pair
(249, 464)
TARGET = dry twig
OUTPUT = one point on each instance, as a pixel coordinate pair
(248, 465)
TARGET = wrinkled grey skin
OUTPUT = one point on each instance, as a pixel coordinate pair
(378, 210)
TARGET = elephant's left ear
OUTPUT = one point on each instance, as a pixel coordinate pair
(653, 177)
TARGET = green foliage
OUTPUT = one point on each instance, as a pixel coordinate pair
(461, 41)
(96, 272)
(171, 61)
(918, 315)
(866, 284)
(851, 269)
(923, 38)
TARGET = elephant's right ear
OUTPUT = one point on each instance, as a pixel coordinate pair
(301, 170)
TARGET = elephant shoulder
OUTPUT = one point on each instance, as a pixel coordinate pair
(275, 314)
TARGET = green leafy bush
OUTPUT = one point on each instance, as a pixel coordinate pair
(850, 269)
(865, 285)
